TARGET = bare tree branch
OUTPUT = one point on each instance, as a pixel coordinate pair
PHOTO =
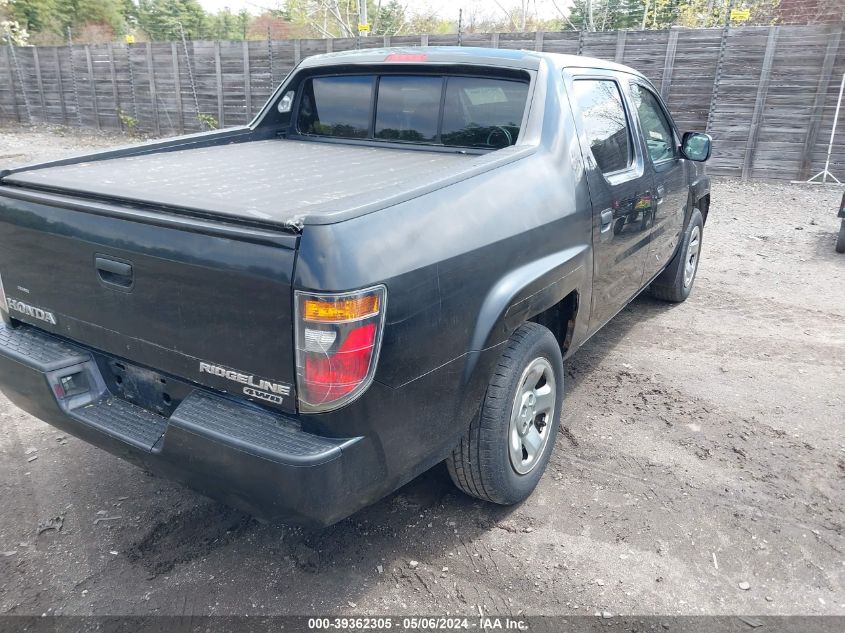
(507, 13)
(565, 16)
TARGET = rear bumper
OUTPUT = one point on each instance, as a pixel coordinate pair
(259, 461)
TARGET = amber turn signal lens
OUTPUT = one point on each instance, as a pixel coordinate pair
(328, 311)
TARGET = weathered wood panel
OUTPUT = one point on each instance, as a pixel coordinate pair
(770, 113)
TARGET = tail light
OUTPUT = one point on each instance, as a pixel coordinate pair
(338, 337)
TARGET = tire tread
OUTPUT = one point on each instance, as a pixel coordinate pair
(669, 285)
(471, 463)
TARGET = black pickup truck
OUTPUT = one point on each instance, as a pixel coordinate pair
(384, 270)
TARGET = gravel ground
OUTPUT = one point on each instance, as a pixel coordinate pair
(702, 471)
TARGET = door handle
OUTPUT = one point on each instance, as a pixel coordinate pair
(114, 273)
(606, 224)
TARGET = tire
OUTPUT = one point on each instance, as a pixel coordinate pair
(840, 241)
(675, 282)
(485, 463)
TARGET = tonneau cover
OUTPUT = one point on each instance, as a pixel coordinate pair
(278, 181)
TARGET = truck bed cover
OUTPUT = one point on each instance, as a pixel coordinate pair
(277, 181)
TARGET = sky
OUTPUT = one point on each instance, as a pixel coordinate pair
(545, 8)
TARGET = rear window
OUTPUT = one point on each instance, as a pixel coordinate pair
(477, 112)
(408, 109)
(337, 106)
(483, 112)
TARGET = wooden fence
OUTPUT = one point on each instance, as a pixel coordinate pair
(766, 94)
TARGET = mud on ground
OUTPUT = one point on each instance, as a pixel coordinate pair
(703, 449)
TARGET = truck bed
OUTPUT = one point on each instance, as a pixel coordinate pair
(278, 181)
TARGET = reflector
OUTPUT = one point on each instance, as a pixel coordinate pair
(328, 310)
(3, 305)
(328, 378)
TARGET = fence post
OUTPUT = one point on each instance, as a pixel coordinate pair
(669, 64)
(73, 76)
(297, 52)
(329, 45)
(37, 61)
(538, 41)
(12, 90)
(818, 103)
(580, 42)
(115, 93)
(20, 77)
(177, 86)
(621, 36)
(190, 65)
(93, 83)
(714, 92)
(762, 92)
(494, 40)
(247, 82)
(132, 92)
(270, 55)
(218, 69)
(424, 40)
(153, 96)
(61, 85)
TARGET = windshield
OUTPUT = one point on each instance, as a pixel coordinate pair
(477, 112)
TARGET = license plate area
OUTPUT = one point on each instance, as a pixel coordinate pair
(143, 387)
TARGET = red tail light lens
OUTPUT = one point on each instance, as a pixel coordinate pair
(338, 337)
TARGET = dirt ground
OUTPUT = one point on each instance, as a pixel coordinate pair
(705, 450)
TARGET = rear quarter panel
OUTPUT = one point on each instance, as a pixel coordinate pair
(461, 265)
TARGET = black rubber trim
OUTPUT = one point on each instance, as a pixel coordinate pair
(253, 430)
(43, 352)
(124, 421)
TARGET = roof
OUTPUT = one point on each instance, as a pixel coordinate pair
(529, 60)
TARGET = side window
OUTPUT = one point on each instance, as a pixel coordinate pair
(606, 123)
(656, 128)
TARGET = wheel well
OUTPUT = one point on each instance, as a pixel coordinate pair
(560, 319)
(703, 205)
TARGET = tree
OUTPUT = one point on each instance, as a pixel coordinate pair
(614, 15)
(224, 25)
(389, 19)
(11, 28)
(75, 13)
(269, 24)
(161, 19)
(335, 18)
(34, 15)
(709, 13)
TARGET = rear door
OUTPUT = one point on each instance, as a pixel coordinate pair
(671, 193)
(620, 190)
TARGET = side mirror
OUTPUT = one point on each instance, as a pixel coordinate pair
(696, 146)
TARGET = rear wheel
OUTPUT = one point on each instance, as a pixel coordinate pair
(507, 447)
(675, 283)
(840, 241)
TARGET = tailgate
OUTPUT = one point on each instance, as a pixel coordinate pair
(209, 306)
